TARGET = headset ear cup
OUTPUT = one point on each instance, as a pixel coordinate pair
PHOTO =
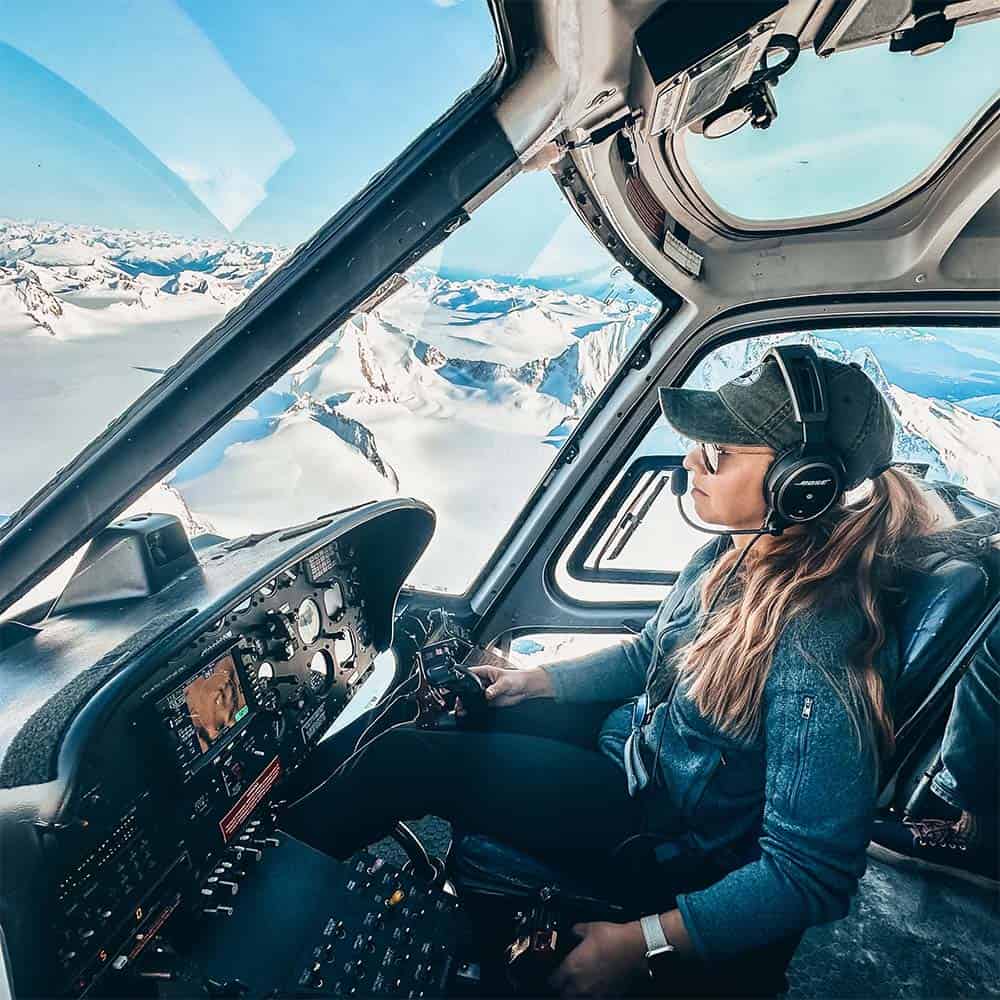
(776, 473)
(799, 488)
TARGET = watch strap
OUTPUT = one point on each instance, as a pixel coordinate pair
(656, 940)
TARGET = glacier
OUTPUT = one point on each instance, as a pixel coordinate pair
(456, 390)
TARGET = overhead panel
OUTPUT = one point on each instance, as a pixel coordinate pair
(690, 63)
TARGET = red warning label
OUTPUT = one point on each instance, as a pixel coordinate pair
(250, 799)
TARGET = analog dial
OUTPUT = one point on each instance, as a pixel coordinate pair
(308, 621)
(343, 647)
(333, 600)
(320, 670)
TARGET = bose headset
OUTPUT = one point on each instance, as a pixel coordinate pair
(804, 481)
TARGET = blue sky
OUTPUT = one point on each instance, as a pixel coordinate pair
(259, 120)
(203, 117)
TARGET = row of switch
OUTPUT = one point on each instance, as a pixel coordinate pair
(226, 876)
(96, 904)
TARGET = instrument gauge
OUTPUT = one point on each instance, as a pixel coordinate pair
(308, 621)
(268, 589)
(333, 600)
(343, 648)
(320, 670)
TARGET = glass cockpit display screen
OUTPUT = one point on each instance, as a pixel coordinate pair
(203, 708)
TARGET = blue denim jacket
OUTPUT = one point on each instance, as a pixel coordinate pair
(790, 811)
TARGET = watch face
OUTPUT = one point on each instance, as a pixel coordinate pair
(658, 960)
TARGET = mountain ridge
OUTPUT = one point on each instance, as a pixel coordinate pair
(457, 390)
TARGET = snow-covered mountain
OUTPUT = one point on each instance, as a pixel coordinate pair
(455, 391)
(94, 267)
(382, 407)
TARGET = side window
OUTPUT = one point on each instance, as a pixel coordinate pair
(638, 535)
(942, 385)
(539, 648)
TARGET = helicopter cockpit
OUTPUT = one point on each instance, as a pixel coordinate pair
(291, 444)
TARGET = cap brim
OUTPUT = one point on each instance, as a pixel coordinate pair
(702, 416)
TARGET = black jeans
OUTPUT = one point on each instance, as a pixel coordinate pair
(532, 778)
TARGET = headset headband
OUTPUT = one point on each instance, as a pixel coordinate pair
(806, 385)
(805, 480)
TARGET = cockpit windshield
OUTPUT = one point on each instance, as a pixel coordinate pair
(158, 165)
(458, 389)
(851, 130)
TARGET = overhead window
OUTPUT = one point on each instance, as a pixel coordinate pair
(851, 129)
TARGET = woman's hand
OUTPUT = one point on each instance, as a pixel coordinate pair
(506, 687)
(604, 963)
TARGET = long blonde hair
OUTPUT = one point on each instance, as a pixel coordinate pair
(848, 555)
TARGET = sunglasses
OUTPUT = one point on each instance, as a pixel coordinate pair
(711, 454)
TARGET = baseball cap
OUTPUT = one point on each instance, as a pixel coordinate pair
(756, 409)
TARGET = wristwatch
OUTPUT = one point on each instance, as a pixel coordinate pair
(657, 945)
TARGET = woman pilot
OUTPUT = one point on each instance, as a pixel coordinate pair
(751, 713)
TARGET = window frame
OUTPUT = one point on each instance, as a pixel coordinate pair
(613, 507)
(739, 325)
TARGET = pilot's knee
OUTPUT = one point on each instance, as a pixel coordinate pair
(392, 751)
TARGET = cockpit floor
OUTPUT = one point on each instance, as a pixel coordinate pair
(910, 934)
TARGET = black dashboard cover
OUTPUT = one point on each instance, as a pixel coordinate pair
(47, 682)
(31, 757)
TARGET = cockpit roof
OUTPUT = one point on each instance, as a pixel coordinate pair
(738, 219)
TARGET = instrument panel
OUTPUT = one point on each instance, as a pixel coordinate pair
(176, 765)
(277, 667)
(223, 722)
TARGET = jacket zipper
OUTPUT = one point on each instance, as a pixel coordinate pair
(804, 726)
(650, 671)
